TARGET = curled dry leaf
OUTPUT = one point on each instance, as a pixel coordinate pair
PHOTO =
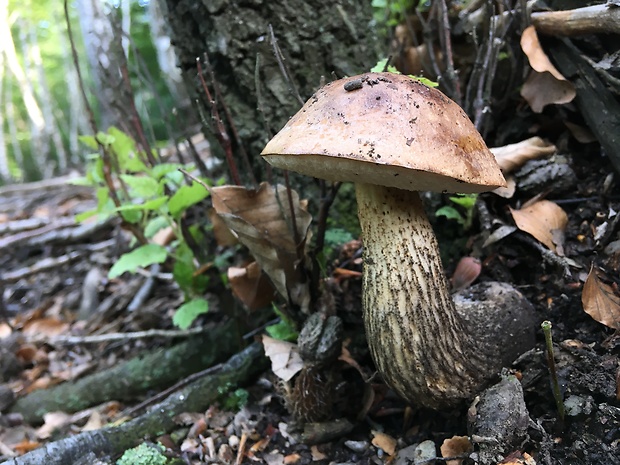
(385, 442)
(261, 220)
(545, 84)
(466, 272)
(512, 156)
(601, 301)
(285, 359)
(455, 446)
(545, 221)
(251, 285)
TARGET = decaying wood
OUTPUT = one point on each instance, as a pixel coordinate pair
(196, 397)
(596, 19)
(595, 101)
(128, 379)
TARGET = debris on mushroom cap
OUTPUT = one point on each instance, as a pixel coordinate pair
(386, 129)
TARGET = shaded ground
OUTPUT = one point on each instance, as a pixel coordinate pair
(44, 303)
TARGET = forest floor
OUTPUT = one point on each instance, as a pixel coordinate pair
(51, 318)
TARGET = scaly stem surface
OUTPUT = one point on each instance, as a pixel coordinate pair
(416, 338)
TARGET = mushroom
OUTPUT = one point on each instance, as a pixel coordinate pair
(393, 136)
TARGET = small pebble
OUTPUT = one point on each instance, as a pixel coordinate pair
(357, 446)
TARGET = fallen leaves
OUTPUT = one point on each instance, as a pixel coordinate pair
(546, 221)
(601, 301)
(262, 221)
(285, 359)
(545, 84)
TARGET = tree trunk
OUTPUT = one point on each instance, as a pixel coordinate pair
(319, 39)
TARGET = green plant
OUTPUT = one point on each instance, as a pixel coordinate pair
(463, 216)
(381, 66)
(283, 330)
(148, 198)
(232, 400)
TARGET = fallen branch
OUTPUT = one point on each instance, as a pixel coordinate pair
(127, 380)
(196, 397)
(596, 19)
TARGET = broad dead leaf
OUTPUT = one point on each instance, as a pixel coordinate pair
(223, 236)
(600, 301)
(518, 458)
(545, 221)
(512, 156)
(285, 359)
(45, 327)
(52, 422)
(261, 219)
(251, 285)
(545, 84)
(454, 446)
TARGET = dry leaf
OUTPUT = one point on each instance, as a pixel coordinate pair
(94, 422)
(466, 272)
(164, 236)
(251, 286)
(285, 359)
(545, 221)
(317, 454)
(223, 236)
(508, 191)
(385, 442)
(518, 458)
(512, 156)
(456, 445)
(581, 133)
(261, 220)
(545, 83)
(45, 327)
(52, 422)
(600, 301)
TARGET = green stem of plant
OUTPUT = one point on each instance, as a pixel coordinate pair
(546, 327)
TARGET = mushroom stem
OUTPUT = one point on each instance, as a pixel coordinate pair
(417, 339)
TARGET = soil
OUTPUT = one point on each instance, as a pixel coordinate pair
(362, 421)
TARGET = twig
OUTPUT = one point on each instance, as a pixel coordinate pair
(282, 64)
(42, 265)
(446, 45)
(557, 394)
(547, 254)
(218, 128)
(113, 337)
(231, 122)
(145, 290)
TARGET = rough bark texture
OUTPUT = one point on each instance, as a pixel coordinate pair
(320, 38)
(416, 338)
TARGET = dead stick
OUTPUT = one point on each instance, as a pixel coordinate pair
(588, 20)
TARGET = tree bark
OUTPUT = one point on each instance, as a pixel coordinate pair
(318, 39)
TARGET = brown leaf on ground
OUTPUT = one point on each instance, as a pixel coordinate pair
(385, 442)
(518, 458)
(466, 272)
(45, 327)
(454, 446)
(546, 221)
(512, 156)
(285, 359)
(545, 84)
(601, 301)
(251, 285)
(262, 221)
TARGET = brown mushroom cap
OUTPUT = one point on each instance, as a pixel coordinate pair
(386, 129)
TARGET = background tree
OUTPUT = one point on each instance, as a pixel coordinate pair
(268, 57)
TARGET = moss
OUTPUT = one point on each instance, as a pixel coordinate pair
(144, 454)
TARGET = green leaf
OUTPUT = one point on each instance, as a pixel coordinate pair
(425, 81)
(284, 329)
(466, 200)
(143, 256)
(154, 225)
(123, 146)
(450, 213)
(81, 181)
(380, 66)
(89, 141)
(142, 186)
(188, 312)
(105, 139)
(155, 204)
(131, 216)
(85, 215)
(159, 171)
(185, 197)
